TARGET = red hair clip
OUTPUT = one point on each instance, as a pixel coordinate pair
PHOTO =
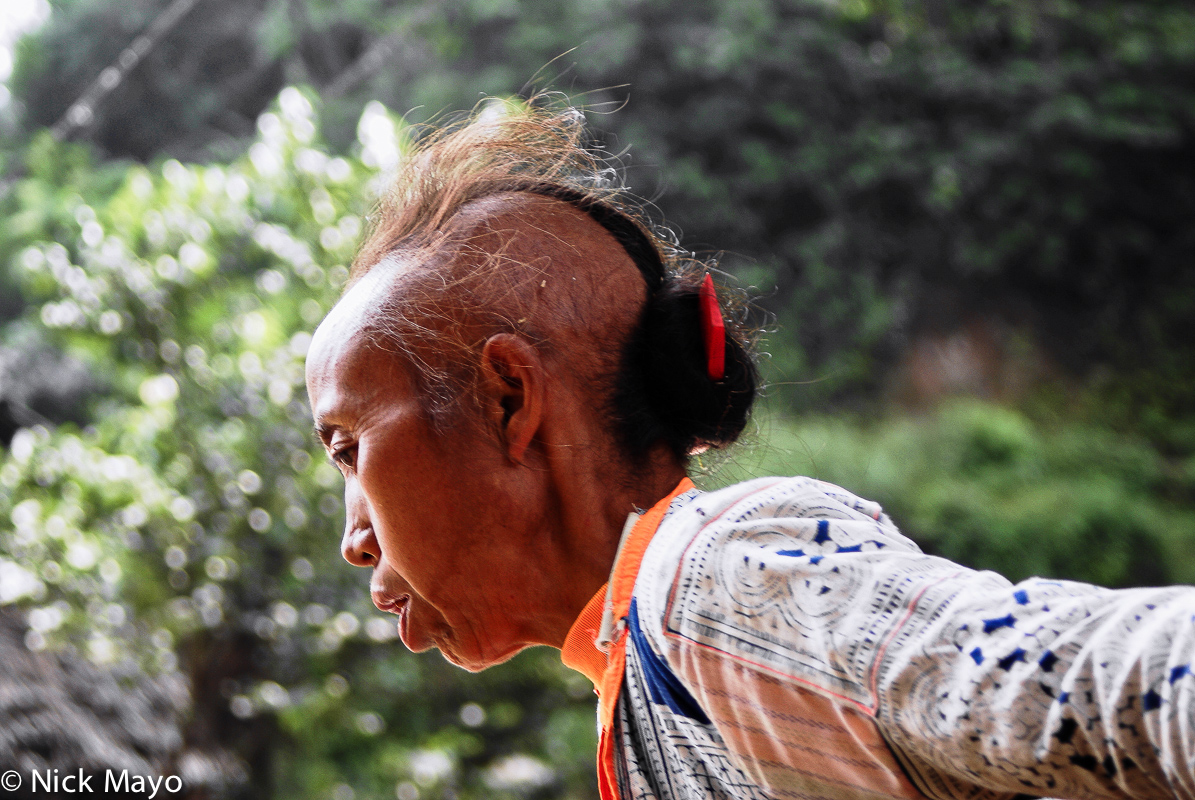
(713, 331)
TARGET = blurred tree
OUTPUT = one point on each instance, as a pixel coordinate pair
(877, 168)
(192, 526)
(195, 93)
(211, 52)
(889, 167)
(62, 713)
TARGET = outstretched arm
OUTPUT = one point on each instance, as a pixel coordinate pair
(1046, 687)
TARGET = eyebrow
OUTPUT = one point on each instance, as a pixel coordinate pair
(324, 431)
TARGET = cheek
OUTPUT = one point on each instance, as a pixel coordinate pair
(384, 471)
(432, 497)
(407, 468)
(404, 503)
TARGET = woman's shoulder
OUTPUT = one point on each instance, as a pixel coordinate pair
(793, 576)
(782, 498)
(773, 527)
(773, 509)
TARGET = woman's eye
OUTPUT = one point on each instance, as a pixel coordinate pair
(345, 458)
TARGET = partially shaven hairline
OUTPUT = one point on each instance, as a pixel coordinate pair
(438, 299)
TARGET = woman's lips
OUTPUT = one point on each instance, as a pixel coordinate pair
(397, 606)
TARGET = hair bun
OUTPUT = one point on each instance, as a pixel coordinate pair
(665, 392)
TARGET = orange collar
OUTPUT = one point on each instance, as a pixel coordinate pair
(581, 651)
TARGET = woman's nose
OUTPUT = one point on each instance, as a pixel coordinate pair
(359, 546)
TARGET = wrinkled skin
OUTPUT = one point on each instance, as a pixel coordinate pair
(488, 536)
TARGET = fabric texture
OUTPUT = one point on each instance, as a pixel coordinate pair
(785, 640)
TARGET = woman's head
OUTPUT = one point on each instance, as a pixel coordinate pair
(518, 362)
(492, 213)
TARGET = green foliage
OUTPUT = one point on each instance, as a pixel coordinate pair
(875, 168)
(986, 486)
(194, 524)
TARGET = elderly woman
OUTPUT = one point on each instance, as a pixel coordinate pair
(512, 387)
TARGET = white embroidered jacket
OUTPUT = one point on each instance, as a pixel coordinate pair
(787, 641)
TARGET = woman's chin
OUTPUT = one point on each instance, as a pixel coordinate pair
(475, 660)
(416, 641)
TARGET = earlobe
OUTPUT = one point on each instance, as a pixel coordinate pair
(512, 382)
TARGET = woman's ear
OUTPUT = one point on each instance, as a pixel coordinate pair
(512, 391)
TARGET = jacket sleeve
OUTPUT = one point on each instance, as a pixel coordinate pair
(1046, 687)
(836, 660)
